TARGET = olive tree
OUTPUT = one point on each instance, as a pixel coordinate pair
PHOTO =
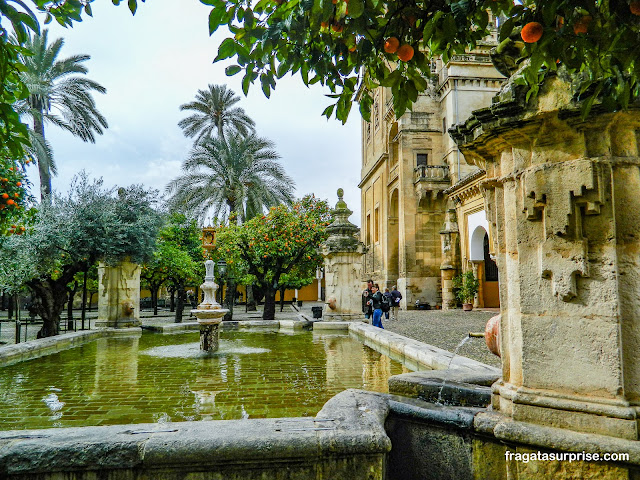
(91, 223)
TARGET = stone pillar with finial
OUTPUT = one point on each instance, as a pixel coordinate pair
(209, 313)
(343, 256)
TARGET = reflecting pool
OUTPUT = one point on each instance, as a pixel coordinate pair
(161, 378)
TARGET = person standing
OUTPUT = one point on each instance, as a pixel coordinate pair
(396, 296)
(376, 305)
(366, 296)
(389, 299)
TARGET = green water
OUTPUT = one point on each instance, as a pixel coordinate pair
(161, 378)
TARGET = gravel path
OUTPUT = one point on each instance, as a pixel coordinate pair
(446, 329)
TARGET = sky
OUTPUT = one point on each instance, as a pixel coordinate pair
(154, 62)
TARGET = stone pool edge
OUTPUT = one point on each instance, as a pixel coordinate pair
(20, 352)
(346, 439)
(408, 350)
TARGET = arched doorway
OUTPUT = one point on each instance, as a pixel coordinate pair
(484, 268)
(393, 239)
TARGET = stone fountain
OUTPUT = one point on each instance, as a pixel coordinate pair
(209, 313)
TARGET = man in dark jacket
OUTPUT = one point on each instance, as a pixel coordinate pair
(366, 296)
(396, 296)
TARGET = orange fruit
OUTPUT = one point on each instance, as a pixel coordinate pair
(582, 25)
(337, 27)
(10, 202)
(5, 195)
(18, 184)
(323, 25)
(635, 7)
(532, 32)
(405, 52)
(353, 48)
(391, 45)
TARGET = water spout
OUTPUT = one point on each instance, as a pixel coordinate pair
(466, 339)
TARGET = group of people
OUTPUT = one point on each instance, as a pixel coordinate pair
(375, 303)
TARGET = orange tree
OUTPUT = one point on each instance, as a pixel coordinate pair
(14, 197)
(277, 246)
(353, 46)
(179, 257)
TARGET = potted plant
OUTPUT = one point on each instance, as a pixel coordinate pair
(466, 286)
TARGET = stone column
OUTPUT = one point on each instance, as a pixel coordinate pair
(450, 258)
(119, 295)
(343, 256)
(563, 201)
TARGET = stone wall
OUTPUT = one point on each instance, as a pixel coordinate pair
(562, 198)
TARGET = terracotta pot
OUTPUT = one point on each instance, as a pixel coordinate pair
(492, 335)
(467, 307)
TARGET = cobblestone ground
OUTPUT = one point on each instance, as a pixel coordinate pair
(446, 329)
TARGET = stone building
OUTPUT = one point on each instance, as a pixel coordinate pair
(413, 174)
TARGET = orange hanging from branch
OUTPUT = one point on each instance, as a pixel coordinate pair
(532, 32)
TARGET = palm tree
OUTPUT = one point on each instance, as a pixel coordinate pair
(59, 96)
(215, 115)
(240, 175)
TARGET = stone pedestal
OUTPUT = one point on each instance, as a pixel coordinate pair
(119, 295)
(563, 201)
(343, 262)
(209, 332)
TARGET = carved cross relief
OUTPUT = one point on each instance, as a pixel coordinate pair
(560, 194)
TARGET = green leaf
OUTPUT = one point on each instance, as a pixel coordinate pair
(449, 27)
(215, 19)
(232, 70)
(328, 111)
(356, 8)
(227, 49)
(505, 30)
(133, 6)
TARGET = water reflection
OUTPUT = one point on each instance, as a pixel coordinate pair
(159, 378)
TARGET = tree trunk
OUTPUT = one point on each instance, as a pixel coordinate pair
(70, 298)
(84, 298)
(180, 298)
(269, 312)
(282, 298)
(251, 301)
(154, 298)
(229, 300)
(172, 304)
(2, 301)
(50, 297)
(10, 307)
(43, 168)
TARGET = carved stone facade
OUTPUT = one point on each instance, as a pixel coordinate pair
(407, 165)
(563, 200)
